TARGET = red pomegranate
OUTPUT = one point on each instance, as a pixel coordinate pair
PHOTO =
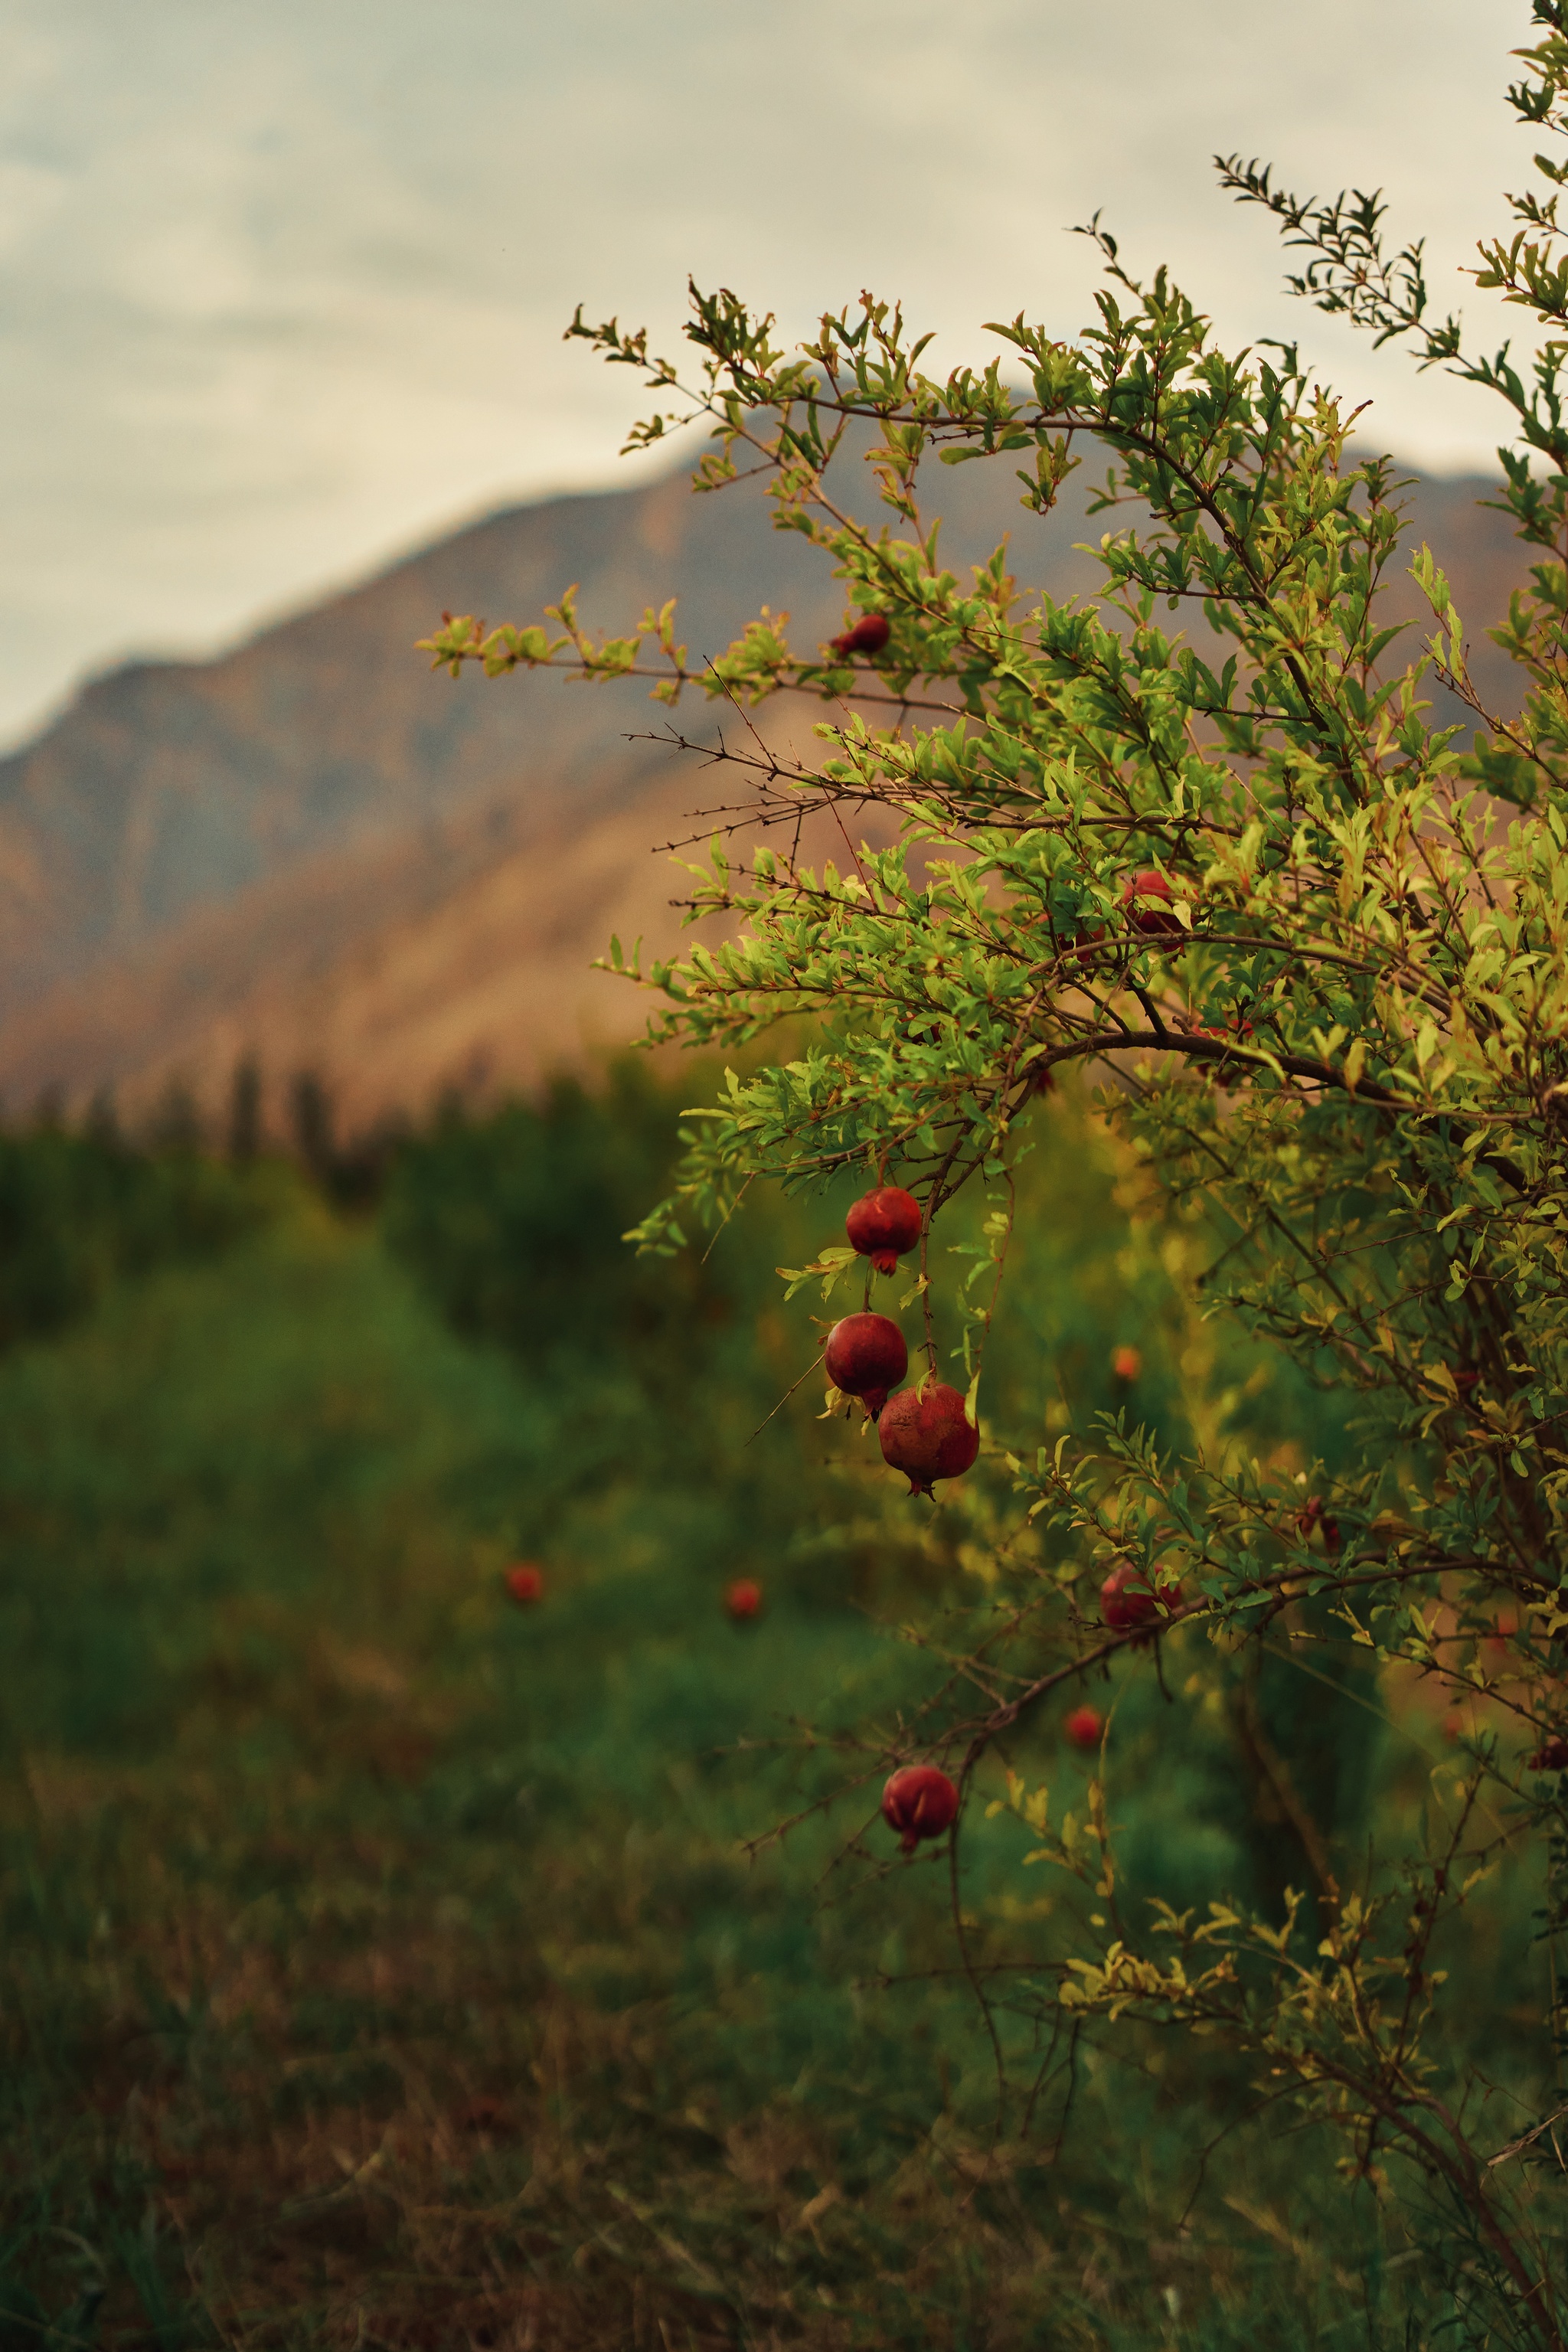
(869, 636)
(919, 1801)
(865, 1357)
(1127, 1597)
(1226, 1073)
(1312, 1517)
(1126, 1363)
(884, 1227)
(525, 1582)
(1147, 897)
(1552, 1756)
(743, 1599)
(1083, 1727)
(927, 1434)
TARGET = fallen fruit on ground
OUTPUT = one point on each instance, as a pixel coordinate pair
(525, 1582)
(869, 636)
(1147, 897)
(884, 1227)
(867, 1356)
(743, 1599)
(927, 1434)
(919, 1801)
(1083, 1727)
(1127, 1598)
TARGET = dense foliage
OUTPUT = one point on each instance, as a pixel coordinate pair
(514, 1219)
(81, 1211)
(1201, 833)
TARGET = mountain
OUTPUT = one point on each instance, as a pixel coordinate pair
(316, 851)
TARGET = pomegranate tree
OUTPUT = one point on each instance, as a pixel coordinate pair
(1369, 1184)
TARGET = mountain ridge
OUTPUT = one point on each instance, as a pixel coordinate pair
(314, 851)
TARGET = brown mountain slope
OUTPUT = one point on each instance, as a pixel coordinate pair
(169, 787)
(316, 851)
(454, 956)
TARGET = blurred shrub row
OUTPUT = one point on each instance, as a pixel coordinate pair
(78, 1212)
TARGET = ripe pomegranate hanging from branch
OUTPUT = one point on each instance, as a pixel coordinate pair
(884, 1227)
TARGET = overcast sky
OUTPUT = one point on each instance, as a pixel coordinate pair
(282, 281)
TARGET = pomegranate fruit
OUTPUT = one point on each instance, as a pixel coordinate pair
(919, 1801)
(1312, 1517)
(1127, 1597)
(1552, 1756)
(1147, 897)
(1126, 1363)
(884, 1227)
(869, 636)
(743, 1599)
(525, 1582)
(927, 1434)
(865, 1357)
(1083, 1727)
(1227, 1073)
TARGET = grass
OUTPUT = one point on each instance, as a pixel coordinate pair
(355, 1921)
(383, 1963)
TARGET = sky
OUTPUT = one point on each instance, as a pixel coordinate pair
(282, 282)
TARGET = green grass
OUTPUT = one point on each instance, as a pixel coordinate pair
(384, 1963)
(319, 1849)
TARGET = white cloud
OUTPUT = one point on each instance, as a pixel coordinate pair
(282, 281)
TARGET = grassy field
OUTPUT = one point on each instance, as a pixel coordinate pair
(384, 1963)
